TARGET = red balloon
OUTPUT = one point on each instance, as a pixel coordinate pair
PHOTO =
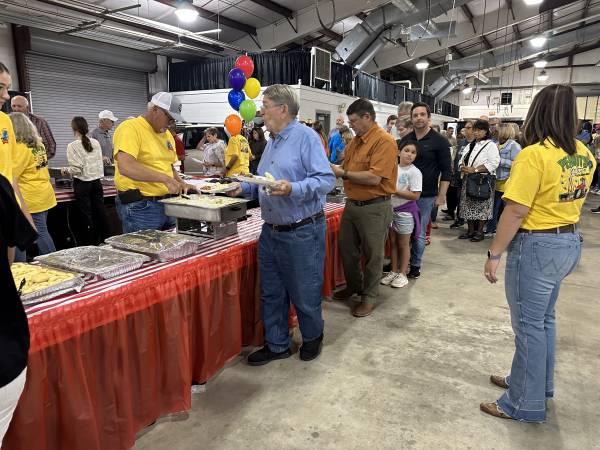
(233, 123)
(246, 64)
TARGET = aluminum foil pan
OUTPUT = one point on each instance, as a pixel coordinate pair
(35, 289)
(161, 245)
(102, 262)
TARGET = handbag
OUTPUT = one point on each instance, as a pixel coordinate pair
(480, 185)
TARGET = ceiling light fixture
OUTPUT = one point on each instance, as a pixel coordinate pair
(216, 30)
(538, 41)
(186, 12)
(543, 76)
(422, 65)
(467, 89)
(533, 2)
(540, 63)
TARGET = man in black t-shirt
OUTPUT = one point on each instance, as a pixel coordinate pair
(15, 231)
(433, 160)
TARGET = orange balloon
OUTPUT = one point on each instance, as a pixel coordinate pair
(233, 123)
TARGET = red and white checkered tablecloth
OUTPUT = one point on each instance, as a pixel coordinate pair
(248, 231)
(68, 195)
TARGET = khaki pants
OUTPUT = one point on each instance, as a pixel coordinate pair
(363, 233)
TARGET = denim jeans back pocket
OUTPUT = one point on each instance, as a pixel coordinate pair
(554, 259)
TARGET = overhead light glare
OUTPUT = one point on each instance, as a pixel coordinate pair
(538, 41)
(540, 64)
(533, 2)
(186, 12)
(422, 65)
(467, 89)
(543, 76)
(216, 30)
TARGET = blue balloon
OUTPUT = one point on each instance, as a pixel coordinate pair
(237, 79)
(235, 98)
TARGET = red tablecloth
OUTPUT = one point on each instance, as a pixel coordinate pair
(111, 359)
(67, 194)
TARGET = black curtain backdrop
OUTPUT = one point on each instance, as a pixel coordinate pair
(289, 68)
(269, 68)
(341, 78)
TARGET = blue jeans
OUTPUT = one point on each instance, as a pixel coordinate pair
(536, 264)
(291, 269)
(418, 247)
(498, 208)
(44, 241)
(143, 215)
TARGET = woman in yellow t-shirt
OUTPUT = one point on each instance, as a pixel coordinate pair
(30, 169)
(548, 183)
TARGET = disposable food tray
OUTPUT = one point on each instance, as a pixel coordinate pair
(38, 292)
(160, 245)
(102, 262)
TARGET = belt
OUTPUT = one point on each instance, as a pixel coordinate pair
(157, 198)
(293, 226)
(558, 230)
(369, 202)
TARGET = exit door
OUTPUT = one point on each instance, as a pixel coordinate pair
(324, 118)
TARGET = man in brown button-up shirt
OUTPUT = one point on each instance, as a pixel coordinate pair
(20, 104)
(369, 171)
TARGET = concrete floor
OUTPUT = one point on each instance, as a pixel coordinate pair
(412, 375)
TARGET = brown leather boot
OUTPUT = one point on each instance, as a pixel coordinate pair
(494, 410)
(343, 294)
(499, 381)
(363, 309)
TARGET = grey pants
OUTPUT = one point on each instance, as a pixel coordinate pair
(363, 233)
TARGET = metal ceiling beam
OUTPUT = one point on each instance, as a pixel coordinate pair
(568, 54)
(467, 12)
(457, 51)
(275, 7)
(331, 34)
(216, 18)
(138, 23)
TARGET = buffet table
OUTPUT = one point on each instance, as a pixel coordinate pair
(106, 362)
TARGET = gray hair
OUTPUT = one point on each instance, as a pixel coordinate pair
(282, 94)
(404, 108)
(25, 130)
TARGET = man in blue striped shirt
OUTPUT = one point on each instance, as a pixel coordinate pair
(291, 248)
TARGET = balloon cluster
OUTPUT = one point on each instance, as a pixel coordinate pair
(240, 81)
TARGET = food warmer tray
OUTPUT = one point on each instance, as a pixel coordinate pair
(160, 245)
(102, 262)
(206, 208)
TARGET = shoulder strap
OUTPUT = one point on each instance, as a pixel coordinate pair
(478, 153)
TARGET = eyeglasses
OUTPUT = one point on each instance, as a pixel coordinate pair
(272, 106)
(169, 118)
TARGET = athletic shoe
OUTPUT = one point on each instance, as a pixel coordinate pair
(595, 210)
(489, 234)
(414, 272)
(400, 281)
(391, 276)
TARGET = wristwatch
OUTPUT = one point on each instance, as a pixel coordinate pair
(493, 257)
(345, 175)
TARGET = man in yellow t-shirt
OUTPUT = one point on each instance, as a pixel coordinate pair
(144, 153)
(237, 156)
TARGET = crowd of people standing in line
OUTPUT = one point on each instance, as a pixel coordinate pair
(392, 186)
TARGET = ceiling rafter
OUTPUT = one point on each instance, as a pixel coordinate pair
(275, 7)
(217, 18)
(568, 54)
(331, 34)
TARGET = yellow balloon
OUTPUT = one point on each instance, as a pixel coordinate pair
(252, 87)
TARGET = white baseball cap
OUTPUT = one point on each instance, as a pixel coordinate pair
(106, 114)
(170, 103)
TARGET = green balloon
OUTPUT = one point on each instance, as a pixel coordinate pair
(248, 110)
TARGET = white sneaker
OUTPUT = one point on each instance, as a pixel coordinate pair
(400, 281)
(391, 276)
